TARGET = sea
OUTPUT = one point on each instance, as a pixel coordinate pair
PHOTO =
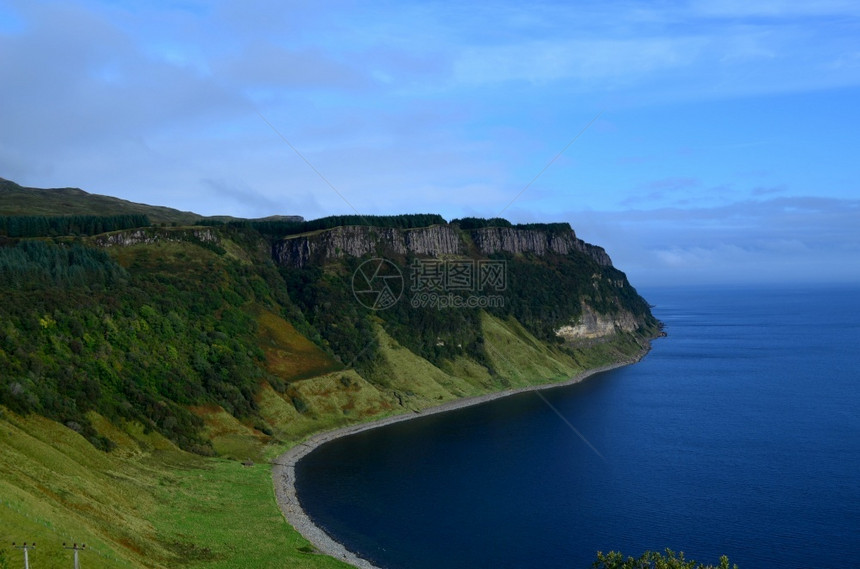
(738, 435)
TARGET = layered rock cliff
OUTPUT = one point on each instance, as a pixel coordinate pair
(357, 241)
(592, 324)
(440, 240)
(491, 240)
(150, 235)
(602, 310)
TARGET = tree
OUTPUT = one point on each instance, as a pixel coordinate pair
(654, 560)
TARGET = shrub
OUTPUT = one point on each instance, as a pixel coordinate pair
(654, 560)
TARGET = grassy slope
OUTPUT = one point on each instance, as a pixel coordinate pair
(157, 507)
(19, 200)
(150, 505)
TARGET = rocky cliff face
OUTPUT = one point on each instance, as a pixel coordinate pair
(592, 324)
(356, 241)
(491, 240)
(151, 235)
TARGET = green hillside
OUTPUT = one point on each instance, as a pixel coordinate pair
(149, 504)
(20, 200)
(138, 367)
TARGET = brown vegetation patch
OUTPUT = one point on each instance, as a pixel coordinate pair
(289, 355)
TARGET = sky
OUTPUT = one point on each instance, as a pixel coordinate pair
(711, 142)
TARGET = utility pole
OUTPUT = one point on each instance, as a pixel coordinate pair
(26, 547)
(75, 547)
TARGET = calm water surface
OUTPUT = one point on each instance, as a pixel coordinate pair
(737, 434)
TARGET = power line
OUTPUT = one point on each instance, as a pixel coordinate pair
(26, 547)
(76, 548)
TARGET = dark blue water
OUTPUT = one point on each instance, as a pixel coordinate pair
(739, 434)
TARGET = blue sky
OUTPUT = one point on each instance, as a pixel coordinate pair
(720, 138)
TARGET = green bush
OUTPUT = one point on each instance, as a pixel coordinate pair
(654, 560)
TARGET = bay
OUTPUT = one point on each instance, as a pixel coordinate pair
(739, 434)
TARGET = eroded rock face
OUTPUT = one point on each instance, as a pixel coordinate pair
(597, 253)
(592, 325)
(151, 235)
(357, 241)
(491, 240)
(436, 241)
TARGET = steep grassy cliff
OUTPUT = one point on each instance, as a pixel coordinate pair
(138, 366)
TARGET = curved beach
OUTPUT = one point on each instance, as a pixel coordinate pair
(284, 471)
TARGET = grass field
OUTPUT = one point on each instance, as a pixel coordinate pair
(155, 506)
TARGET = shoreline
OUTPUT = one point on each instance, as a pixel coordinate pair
(284, 471)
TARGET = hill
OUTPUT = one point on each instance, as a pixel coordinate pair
(20, 200)
(138, 366)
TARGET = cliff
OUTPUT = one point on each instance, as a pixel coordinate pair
(491, 240)
(320, 247)
(559, 287)
(591, 324)
(357, 241)
(152, 235)
(599, 308)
